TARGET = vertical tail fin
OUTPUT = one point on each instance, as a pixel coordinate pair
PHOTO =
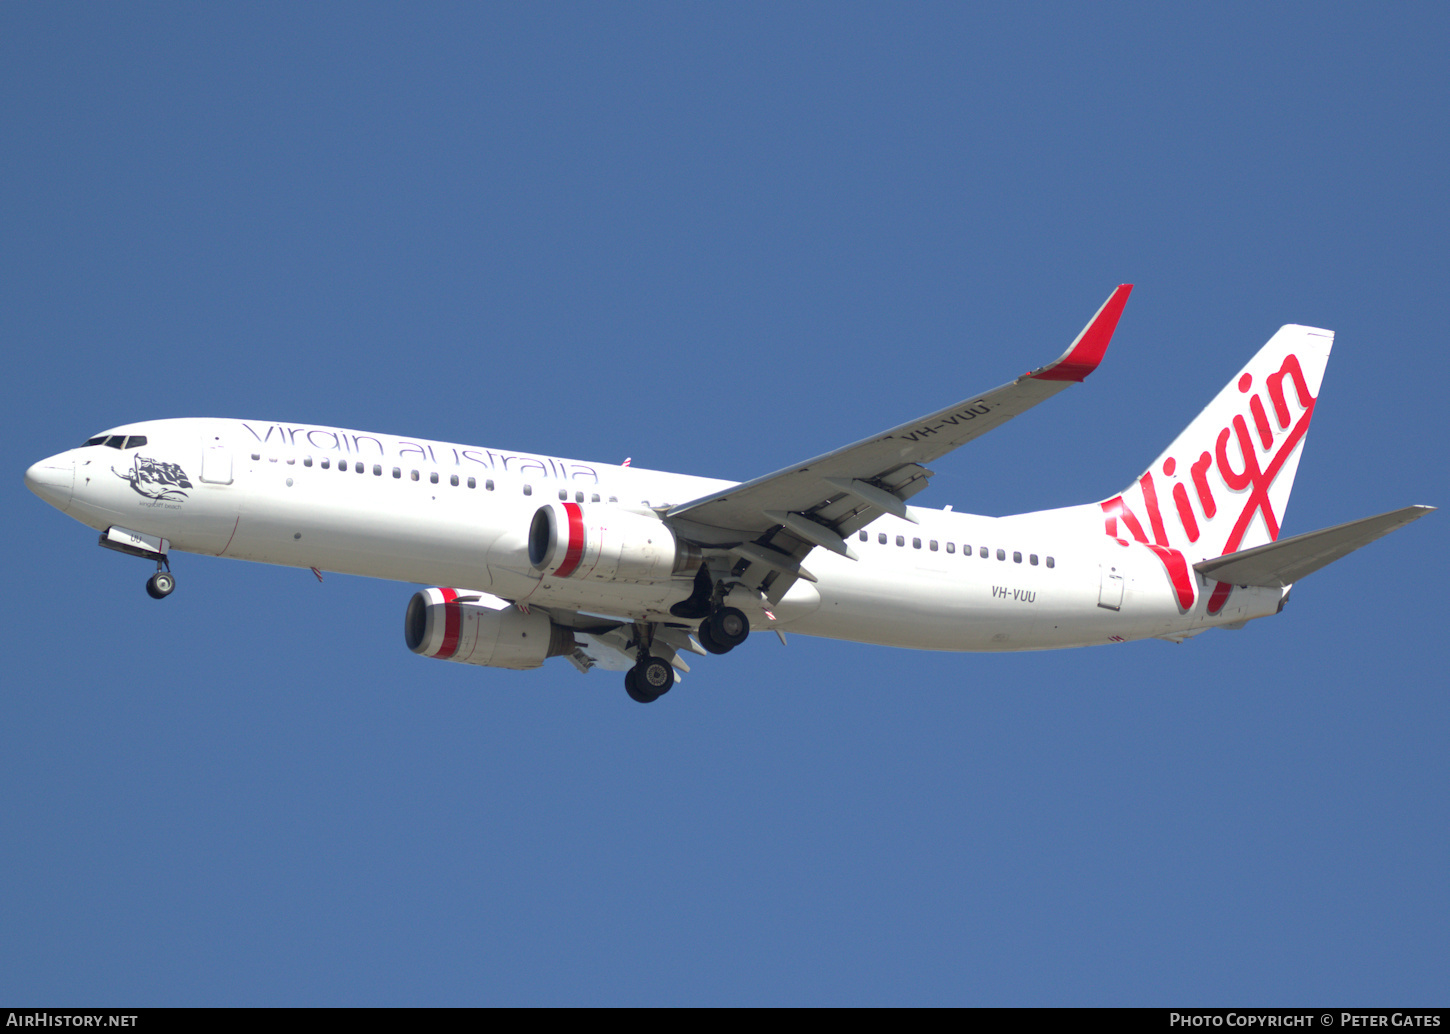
(1224, 483)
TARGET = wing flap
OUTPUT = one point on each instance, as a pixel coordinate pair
(1282, 563)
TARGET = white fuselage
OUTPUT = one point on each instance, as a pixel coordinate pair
(443, 514)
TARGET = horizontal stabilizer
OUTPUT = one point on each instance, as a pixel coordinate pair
(1284, 562)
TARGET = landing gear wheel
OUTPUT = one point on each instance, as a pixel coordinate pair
(649, 680)
(653, 676)
(728, 629)
(631, 686)
(160, 585)
(706, 635)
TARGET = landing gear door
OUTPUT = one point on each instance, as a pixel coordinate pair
(1110, 592)
(216, 462)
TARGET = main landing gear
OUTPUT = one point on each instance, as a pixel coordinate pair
(650, 679)
(724, 630)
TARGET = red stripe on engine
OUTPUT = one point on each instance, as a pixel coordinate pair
(452, 622)
(575, 551)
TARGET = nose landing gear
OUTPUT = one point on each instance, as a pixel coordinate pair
(148, 547)
(161, 584)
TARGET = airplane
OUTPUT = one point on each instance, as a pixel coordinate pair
(626, 569)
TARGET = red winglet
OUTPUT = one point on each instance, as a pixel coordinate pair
(1083, 356)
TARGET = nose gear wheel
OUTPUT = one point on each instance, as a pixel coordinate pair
(160, 585)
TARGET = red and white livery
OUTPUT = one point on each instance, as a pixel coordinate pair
(629, 569)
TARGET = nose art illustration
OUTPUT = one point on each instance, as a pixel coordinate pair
(155, 480)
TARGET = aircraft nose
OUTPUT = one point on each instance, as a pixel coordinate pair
(53, 479)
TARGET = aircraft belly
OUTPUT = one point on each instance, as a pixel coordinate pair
(626, 599)
(929, 610)
(988, 607)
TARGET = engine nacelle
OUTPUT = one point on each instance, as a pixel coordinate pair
(472, 628)
(604, 544)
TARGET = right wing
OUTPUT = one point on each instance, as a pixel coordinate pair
(772, 522)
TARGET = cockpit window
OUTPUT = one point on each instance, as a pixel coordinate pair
(135, 441)
(99, 439)
(116, 441)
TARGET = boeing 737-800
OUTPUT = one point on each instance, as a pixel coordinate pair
(628, 569)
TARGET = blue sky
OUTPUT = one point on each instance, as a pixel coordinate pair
(718, 239)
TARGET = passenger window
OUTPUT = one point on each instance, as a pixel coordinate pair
(292, 461)
(397, 472)
(414, 475)
(342, 466)
(1016, 557)
(982, 552)
(377, 469)
(864, 536)
(563, 495)
(136, 441)
(256, 456)
(614, 499)
(578, 497)
(901, 540)
(433, 478)
(594, 498)
(916, 543)
(358, 466)
(488, 484)
(1050, 562)
(932, 545)
(1001, 554)
(881, 537)
(307, 461)
(1032, 559)
(453, 480)
(528, 490)
(951, 547)
(326, 463)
